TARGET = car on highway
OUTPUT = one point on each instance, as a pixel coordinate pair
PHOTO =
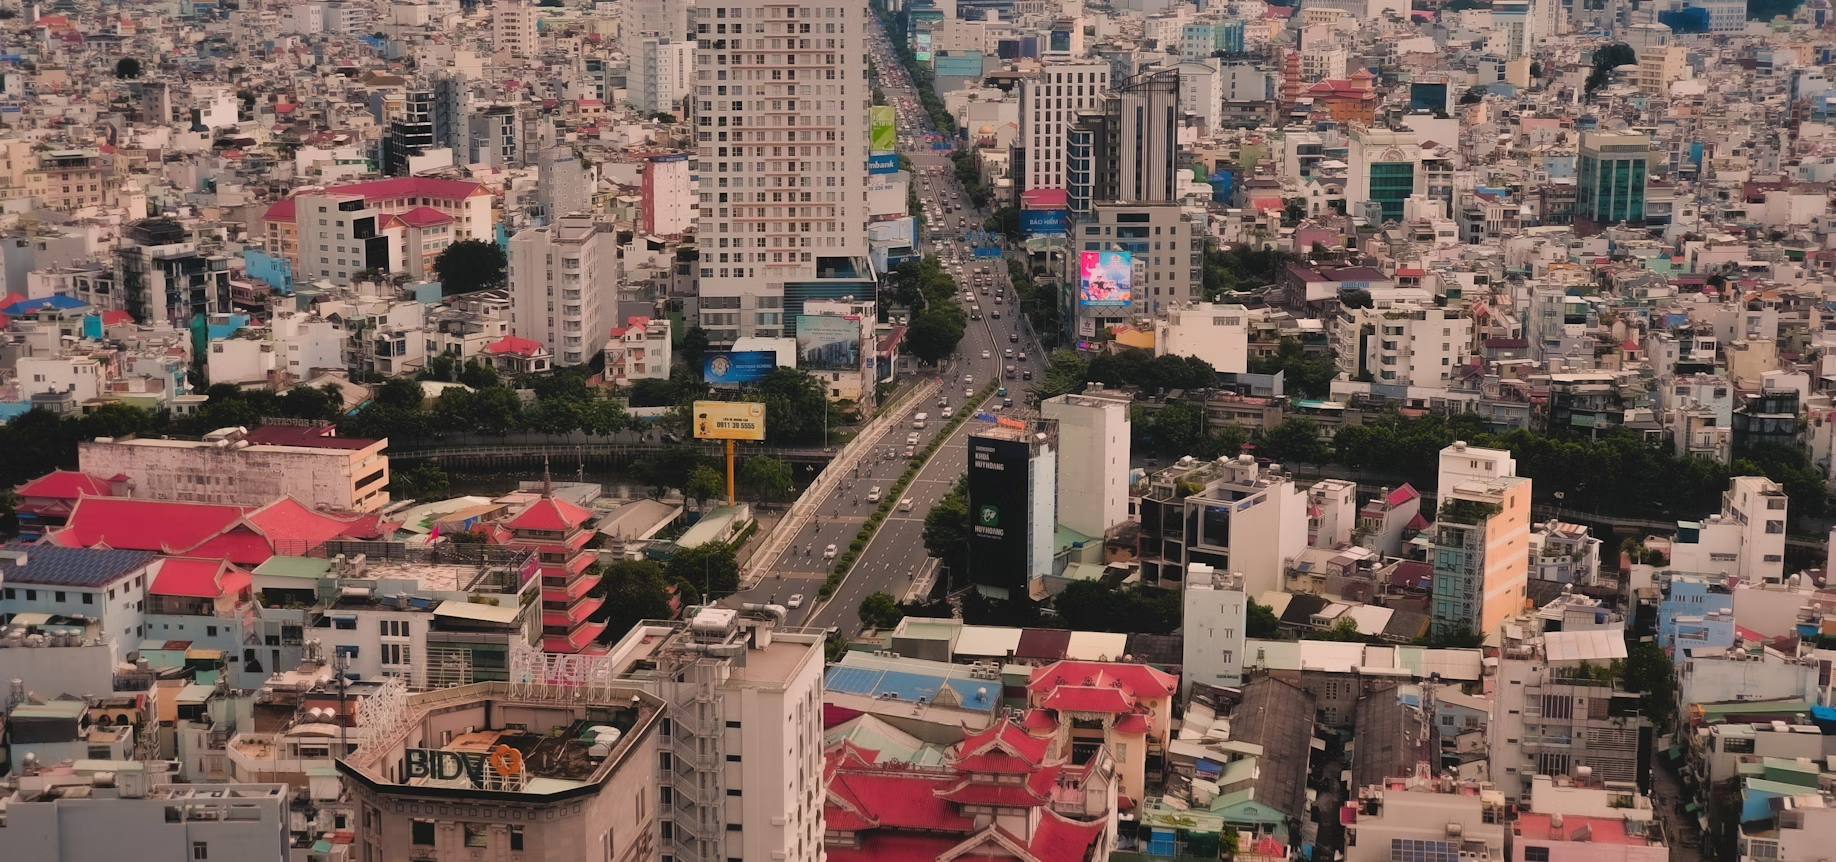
(984, 354)
(968, 393)
(873, 496)
(911, 451)
(970, 378)
(947, 413)
(796, 601)
(944, 402)
(1013, 338)
(1001, 393)
(1022, 356)
(1026, 375)
(911, 439)
(828, 553)
(1010, 353)
(1007, 402)
(995, 314)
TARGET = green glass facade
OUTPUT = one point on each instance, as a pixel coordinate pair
(1391, 184)
(1610, 188)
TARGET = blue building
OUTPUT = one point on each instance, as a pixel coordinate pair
(1696, 612)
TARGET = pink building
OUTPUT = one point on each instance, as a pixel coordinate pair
(1570, 838)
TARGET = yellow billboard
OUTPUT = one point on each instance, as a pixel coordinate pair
(729, 420)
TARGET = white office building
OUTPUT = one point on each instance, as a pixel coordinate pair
(663, 70)
(742, 774)
(1092, 487)
(93, 812)
(1215, 332)
(563, 286)
(513, 29)
(1215, 617)
(1049, 104)
(1460, 462)
(782, 141)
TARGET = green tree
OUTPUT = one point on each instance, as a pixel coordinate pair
(402, 392)
(703, 483)
(1004, 221)
(1297, 438)
(797, 408)
(478, 374)
(946, 530)
(440, 367)
(712, 568)
(1305, 374)
(1261, 621)
(424, 481)
(933, 336)
(470, 265)
(127, 68)
(634, 590)
(880, 611)
(768, 478)
(1065, 374)
(693, 347)
(1343, 629)
(1648, 671)
(1097, 606)
(1606, 59)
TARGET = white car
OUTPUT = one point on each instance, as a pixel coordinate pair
(828, 553)
(970, 378)
(796, 601)
(946, 413)
(873, 496)
(984, 356)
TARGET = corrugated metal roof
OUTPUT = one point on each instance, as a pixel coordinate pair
(1596, 645)
(474, 611)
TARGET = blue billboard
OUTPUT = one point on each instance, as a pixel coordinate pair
(1045, 221)
(743, 366)
(883, 163)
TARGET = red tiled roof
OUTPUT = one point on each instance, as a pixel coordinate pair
(968, 792)
(549, 513)
(197, 578)
(893, 847)
(307, 436)
(389, 189)
(66, 485)
(116, 316)
(1077, 698)
(514, 345)
(1402, 495)
(424, 217)
(1139, 680)
(900, 800)
(1002, 747)
(293, 527)
(1138, 722)
(144, 525)
(1058, 838)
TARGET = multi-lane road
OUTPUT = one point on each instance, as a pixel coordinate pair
(896, 559)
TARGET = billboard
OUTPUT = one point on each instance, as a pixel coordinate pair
(737, 366)
(1105, 278)
(729, 420)
(883, 163)
(998, 511)
(1044, 221)
(885, 137)
(828, 342)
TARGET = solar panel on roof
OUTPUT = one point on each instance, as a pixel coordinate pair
(1412, 850)
(74, 567)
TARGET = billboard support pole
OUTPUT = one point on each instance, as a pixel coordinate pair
(729, 472)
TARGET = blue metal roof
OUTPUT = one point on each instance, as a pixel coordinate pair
(52, 566)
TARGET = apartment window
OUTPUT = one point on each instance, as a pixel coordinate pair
(200, 850)
(516, 838)
(89, 598)
(423, 833)
(1536, 854)
(60, 593)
